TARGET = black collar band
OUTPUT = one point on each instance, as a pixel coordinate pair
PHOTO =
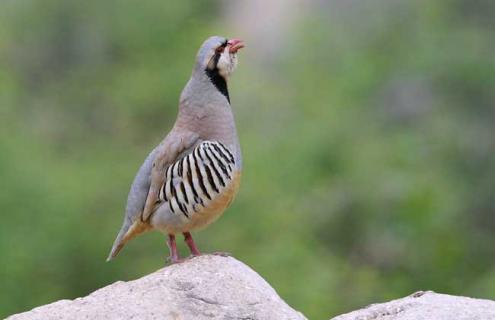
(217, 80)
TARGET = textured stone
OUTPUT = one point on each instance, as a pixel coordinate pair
(206, 287)
(426, 306)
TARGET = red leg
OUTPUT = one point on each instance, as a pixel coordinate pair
(174, 255)
(190, 243)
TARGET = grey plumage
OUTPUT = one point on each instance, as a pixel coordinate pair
(135, 201)
(188, 180)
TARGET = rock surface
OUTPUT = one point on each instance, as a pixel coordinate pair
(426, 306)
(206, 287)
(215, 287)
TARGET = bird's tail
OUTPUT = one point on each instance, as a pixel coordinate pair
(127, 232)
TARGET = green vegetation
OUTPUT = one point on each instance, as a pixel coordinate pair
(368, 139)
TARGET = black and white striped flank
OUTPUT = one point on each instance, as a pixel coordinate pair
(194, 180)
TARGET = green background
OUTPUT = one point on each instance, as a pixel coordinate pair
(367, 128)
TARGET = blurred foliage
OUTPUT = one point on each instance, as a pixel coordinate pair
(368, 143)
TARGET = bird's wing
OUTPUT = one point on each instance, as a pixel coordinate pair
(139, 189)
(146, 183)
(172, 148)
(135, 204)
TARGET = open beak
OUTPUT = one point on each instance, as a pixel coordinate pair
(234, 45)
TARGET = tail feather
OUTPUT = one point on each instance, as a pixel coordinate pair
(126, 233)
(117, 246)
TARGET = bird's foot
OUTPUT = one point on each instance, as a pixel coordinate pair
(174, 260)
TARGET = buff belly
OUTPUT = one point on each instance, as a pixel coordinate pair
(166, 221)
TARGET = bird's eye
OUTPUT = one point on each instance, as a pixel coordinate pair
(220, 49)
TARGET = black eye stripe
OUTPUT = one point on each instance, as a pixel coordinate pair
(215, 59)
(222, 46)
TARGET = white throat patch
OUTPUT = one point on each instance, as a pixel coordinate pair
(227, 63)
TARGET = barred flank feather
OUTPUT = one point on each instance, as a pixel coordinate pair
(194, 180)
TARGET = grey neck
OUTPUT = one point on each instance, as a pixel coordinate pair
(202, 90)
(206, 111)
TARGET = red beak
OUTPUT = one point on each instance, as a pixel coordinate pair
(235, 44)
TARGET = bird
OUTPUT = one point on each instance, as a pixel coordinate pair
(193, 175)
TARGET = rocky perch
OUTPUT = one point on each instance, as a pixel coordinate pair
(205, 287)
(215, 287)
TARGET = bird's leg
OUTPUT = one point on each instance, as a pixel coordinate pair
(190, 243)
(174, 255)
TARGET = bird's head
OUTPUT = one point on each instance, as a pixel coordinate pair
(218, 56)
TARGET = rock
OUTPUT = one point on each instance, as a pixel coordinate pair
(426, 305)
(215, 287)
(206, 287)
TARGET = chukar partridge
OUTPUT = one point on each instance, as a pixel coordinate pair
(192, 176)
